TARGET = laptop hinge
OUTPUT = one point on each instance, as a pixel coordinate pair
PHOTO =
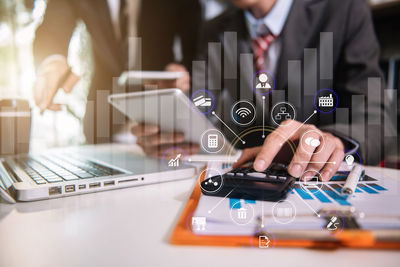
(6, 184)
(9, 171)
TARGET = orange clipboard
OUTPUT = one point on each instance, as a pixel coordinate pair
(182, 235)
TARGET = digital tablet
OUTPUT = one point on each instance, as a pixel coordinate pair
(173, 111)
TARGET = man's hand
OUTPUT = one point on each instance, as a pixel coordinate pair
(149, 138)
(324, 158)
(154, 143)
(182, 83)
(52, 74)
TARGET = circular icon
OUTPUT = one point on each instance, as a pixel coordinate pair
(311, 182)
(242, 213)
(282, 111)
(333, 223)
(172, 158)
(211, 180)
(203, 101)
(212, 141)
(243, 112)
(312, 142)
(284, 212)
(326, 100)
(263, 82)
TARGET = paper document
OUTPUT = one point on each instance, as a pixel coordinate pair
(374, 199)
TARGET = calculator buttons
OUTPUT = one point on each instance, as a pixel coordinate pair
(246, 183)
(257, 174)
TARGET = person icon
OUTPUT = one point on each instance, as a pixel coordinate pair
(263, 84)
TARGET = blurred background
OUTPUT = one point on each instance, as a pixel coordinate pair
(20, 19)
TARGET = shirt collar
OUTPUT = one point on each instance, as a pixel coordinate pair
(275, 19)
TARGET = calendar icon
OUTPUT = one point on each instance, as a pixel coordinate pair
(212, 141)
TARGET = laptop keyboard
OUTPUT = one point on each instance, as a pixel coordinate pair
(56, 169)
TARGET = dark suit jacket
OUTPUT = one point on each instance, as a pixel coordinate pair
(355, 59)
(159, 23)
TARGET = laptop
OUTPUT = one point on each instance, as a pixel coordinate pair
(79, 170)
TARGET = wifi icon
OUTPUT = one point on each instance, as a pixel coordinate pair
(243, 112)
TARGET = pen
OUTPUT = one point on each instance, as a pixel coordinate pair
(352, 180)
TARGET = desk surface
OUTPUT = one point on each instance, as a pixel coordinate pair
(131, 227)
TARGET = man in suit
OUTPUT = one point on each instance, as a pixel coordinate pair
(292, 26)
(110, 24)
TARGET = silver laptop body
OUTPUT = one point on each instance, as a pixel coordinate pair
(80, 170)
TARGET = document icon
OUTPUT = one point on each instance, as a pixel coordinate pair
(263, 241)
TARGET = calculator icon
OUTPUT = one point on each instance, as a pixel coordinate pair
(212, 141)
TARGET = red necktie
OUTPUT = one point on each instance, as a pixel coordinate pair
(260, 45)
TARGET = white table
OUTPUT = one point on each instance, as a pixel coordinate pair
(131, 227)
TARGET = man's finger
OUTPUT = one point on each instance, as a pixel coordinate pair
(309, 140)
(299, 162)
(330, 169)
(248, 154)
(38, 87)
(54, 83)
(273, 143)
(322, 154)
(54, 107)
(144, 130)
(47, 96)
(70, 82)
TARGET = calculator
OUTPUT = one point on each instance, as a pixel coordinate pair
(273, 184)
